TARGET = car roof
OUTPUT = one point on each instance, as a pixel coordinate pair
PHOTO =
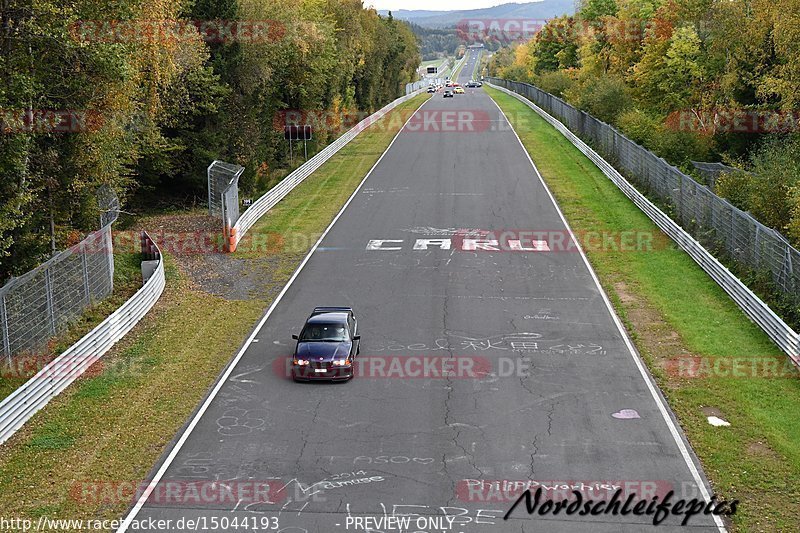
(334, 316)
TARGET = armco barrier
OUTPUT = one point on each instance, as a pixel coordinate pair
(277, 193)
(24, 402)
(784, 336)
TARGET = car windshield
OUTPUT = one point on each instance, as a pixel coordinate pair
(324, 332)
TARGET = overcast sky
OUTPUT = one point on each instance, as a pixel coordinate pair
(436, 5)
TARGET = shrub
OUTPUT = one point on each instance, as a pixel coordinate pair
(605, 97)
(776, 170)
(735, 187)
(639, 127)
(555, 82)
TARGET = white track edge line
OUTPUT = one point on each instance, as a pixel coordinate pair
(634, 354)
(221, 381)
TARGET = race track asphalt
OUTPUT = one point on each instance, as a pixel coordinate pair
(544, 385)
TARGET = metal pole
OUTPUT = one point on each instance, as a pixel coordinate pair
(108, 245)
(4, 325)
(84, 263)
(48, 288)
(787, 262)
(208, 174)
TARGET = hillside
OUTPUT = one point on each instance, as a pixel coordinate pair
(545, 9)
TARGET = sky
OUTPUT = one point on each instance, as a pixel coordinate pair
(436, 5)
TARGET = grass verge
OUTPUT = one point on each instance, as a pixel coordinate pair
(454, 75)
(685, 325)
(433, 62)
(112, 426)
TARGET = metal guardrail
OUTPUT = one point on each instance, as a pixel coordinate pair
(277, 193)
(416, 86)
(456, 70)
(784, 336)
(57, 375)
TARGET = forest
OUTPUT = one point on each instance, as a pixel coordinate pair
(438, 42)
(141, 95)
(692, 80)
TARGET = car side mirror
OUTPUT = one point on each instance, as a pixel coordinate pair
(295, 337)
(356, 337)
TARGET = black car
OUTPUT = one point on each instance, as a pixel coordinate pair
(327, 346)
(448, 93)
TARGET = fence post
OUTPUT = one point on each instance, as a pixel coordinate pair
(108, 246)
(787, 267)
(84, 264)
(4, 326)
(208, 177)
(48, 289)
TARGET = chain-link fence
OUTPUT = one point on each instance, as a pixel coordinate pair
(230, 205)
(712, 171)
(41, 303)
(221, 176)
(223, 197)
(698, 210)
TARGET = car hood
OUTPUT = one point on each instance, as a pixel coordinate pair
(326, 351)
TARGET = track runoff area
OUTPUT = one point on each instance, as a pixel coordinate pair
(491, 367)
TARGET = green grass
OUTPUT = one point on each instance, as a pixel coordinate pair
(454, 75)
(433, 62)
(672, 308)
(113, 424)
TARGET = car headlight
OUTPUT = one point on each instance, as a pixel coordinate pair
(300, 362)
(340, 362)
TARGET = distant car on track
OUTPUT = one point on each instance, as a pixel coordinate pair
(327, 346)
(448, 93)
(431, 89)
(459, 90)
